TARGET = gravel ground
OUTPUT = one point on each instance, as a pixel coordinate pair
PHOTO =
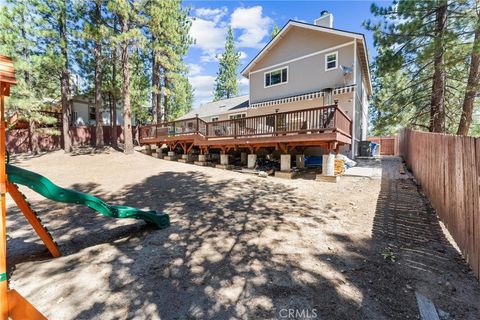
(239, 246)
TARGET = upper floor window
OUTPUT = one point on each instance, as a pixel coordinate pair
(275, 77)
(331, 61)
(237, 116)
(214, 119)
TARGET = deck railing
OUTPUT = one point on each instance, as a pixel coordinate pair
(313, 120)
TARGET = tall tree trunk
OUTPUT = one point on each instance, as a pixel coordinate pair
(25, 54)
(155, 87)
(113, 122)
(437, 104)
(65, 83)
(165, 99)
(33, 137)
(98, 81)
(472, 84)
(127, 112)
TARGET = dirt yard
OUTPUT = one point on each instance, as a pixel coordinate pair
(239, 246)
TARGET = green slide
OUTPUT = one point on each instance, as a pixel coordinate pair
(48, 189)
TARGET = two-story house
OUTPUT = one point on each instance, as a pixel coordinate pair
(308, 88)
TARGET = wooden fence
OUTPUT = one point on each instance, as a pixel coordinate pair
(448, 169)
(388, 145)
(18, 140)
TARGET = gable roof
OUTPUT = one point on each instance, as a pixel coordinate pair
(360, 40)
(215, 108)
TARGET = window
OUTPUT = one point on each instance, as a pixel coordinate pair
(331, 61)
(238, 116)
(214, 119)
(92, 113)
(276, 77)
(73, 117)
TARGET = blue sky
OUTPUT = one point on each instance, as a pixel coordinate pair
(252, 22)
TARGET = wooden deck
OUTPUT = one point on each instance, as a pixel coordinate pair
(326, 126)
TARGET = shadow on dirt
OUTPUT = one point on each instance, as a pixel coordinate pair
(214, 261)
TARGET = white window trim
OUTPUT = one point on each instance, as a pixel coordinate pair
(236, 114)
(336, 60)
(214, 117)
(277, 84)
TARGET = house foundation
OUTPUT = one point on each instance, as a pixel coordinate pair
(186, 158)
(201, 161)
(285, 167)
(171, 156)
(158, 154)
(224, 159)
(328, 169)
(251, 161)
(285, 162)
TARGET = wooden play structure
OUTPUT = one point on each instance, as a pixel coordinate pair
(12, 304)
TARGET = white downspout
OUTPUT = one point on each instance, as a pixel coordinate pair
(354, 96)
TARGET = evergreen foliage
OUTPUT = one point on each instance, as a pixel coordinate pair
(226, 83)
(421, 69)
(115, 48)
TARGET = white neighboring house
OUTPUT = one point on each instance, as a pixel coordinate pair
(83, 112)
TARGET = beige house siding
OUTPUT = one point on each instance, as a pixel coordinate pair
(307, 72)
(345, 101)
(298, 42)
(305, 75)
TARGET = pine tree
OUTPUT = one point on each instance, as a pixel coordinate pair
(168, 27)
(226, 83)
(181, 96)
(18, 39)
(92, 38)
(275, 31)
(418, 40)
(472, 87)
(129, 33)
(53, 18)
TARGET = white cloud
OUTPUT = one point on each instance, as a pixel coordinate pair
(243, 55)
(210, 56)
(298, 19)
(243, 85)
(203, 88)
(194, 69)
(253, 24)
(208, 35)
(211, 14)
